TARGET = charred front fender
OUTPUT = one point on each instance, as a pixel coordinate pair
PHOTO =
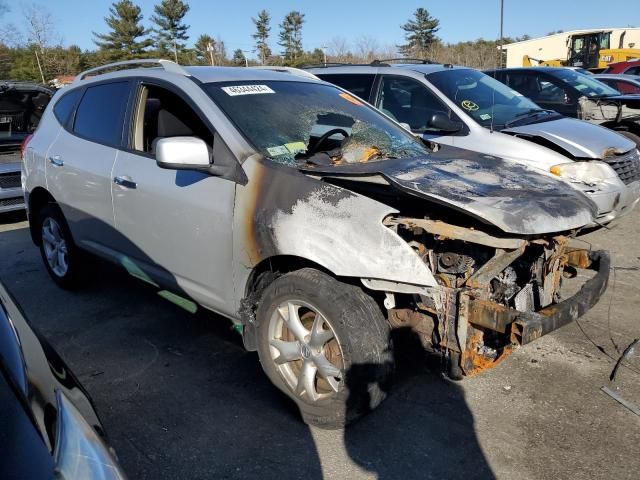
(284, 212)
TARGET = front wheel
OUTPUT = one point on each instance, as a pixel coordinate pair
(58, 251)
(326, 345)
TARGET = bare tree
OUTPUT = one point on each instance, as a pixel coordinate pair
(366, 47)
(41, 33)
(338, 49)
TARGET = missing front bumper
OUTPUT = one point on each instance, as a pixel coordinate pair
(524, 327)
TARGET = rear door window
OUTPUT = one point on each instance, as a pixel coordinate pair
(64, 107)
(632, 71)
(100, 115)
(358, 84)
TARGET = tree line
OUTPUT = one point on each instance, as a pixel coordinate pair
(40, 56)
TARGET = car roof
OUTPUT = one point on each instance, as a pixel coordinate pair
(381, 68)
(529, 69)
(619, 76)
(202, 74)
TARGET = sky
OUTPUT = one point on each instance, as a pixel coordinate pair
(325, 19)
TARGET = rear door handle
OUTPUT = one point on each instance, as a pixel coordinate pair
(124, 182)
(56, 160)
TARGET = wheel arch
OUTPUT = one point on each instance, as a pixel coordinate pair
(268, 270)
(38, 198)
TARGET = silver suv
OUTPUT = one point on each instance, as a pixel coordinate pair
(466, 108)
(316, 224)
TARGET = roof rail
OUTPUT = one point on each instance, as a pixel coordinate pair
(168, 65)
(375, 63)
(404, 59)
(293, 71)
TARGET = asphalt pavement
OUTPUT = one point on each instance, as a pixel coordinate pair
(181, 399)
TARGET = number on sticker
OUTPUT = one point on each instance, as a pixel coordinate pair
(235, 90)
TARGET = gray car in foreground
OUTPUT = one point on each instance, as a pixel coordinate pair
(316, 224)
(465, 108)
(48, 425)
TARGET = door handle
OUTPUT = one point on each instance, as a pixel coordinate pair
(124, 182)
(56, 160)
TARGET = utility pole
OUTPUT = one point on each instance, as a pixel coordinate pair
(39, 65)
(324, 52)
(210, 50)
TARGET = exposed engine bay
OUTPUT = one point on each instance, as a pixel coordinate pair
(485, 284)
(608, 109)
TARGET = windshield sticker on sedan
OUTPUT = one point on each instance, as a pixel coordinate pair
(350, 99)
(469, 105)
(485, 116)
(246, 90)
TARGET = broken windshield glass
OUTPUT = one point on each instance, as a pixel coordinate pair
(295, 122)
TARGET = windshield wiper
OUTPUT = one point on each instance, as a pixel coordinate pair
(532, 112)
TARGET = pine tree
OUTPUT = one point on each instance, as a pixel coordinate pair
(204, 48)
(170, 30)
(238, 57)
(126, 38)
(262, 35)
(420, 34)
(291, 35)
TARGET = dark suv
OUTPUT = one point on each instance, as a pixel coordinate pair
(577, 95)
(21, 107)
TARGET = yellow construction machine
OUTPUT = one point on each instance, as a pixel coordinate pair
(590, 51)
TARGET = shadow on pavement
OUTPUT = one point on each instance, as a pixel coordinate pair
(423, 430)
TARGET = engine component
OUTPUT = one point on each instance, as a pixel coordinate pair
(450, 262)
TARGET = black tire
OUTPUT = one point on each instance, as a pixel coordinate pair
(631, 136)
(72, 274)
(363, 336)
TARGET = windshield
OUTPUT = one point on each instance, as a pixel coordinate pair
(585, 84)
(293, 122)
(485, 99)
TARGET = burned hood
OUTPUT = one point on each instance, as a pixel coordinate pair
(579, 139)
(510, 196)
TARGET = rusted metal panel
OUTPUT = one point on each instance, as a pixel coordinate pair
(447, 231)
(494, 266)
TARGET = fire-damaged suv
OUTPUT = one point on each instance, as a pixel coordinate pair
(312, 221)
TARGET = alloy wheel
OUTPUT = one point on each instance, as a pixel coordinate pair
(305, 350)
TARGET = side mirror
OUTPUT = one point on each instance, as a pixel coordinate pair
(182, 153)
(440, 121)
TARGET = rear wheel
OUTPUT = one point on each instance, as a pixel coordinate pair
(58, 251)
(326, 345)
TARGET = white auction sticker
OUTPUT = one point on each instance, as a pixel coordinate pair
(246, 90)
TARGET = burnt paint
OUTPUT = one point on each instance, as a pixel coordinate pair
(506, 194)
